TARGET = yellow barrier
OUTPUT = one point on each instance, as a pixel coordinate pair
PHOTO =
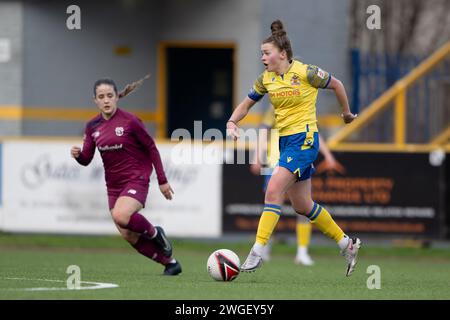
(389, 147)
(442, 138)
(12, 112)
(396, 94)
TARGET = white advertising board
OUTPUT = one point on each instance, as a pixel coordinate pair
(45, 190)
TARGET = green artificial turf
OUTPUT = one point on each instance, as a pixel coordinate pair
(30, 261)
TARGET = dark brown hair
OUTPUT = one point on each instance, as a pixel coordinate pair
(280, 39)
(127, 90)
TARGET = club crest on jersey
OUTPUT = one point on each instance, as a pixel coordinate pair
(295, 81)
(119, 131)
(95, 134)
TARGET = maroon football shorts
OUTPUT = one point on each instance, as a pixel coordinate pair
(134, 190)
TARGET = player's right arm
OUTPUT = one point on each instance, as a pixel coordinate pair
(255, 94)
(267, 123)
(238, 114)
(84, 156)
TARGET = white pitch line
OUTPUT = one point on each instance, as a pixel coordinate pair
(96, 285)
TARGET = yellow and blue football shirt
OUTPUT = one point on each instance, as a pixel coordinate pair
(293, 96)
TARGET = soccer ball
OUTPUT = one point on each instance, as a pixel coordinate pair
(223, 265)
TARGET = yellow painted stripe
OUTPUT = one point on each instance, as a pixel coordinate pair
(407, 148)
(14, 112)
(324, 121)
(251, 120)
(60, 114)
(386, 147)
(10, 112)
(330, 120)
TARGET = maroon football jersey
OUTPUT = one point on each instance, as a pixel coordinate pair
(127, 150)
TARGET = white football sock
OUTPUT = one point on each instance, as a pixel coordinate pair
(301, 251)
(258, 248)
(343, 243)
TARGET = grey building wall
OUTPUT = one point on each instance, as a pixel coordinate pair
(318, 30)
(59, 65)
(11, 71)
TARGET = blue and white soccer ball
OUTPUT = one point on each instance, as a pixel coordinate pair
(223, 265)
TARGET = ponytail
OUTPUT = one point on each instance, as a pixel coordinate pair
(126, 91)
(132, 86)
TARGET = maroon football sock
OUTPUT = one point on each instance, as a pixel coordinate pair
(138, 223)
(148, 248)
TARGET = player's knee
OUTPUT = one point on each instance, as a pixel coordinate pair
(302, 208)
(273, 196)
(300, 212)
(120, 217)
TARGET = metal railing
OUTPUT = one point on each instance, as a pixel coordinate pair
(413, 114)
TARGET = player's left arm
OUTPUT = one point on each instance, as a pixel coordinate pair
(319, 78)
(147, 141)
(339, 90)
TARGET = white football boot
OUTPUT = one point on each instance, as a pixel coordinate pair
(351, 254)
(265, 255)
(253, 262)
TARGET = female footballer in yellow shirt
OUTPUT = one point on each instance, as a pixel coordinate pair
(266, 156)
(292, 87)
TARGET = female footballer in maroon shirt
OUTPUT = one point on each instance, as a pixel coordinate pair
(129, 154)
